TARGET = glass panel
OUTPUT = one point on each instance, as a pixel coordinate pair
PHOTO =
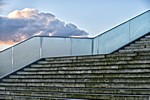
(53, 47)
(123, 34)
(139, 26)
(26, 52)
(81, 46)
(5, 62)
(113, 39)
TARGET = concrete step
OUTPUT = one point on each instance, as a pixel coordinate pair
(133, 47)
(108, 58)
(62, 58)
(139, 44)
(88, 60)
(84, 71)
(147, 36)
(14, 97)
(111, 57)
(122, 55)
(71, 68)
(78, 96)
(134, 50)
(137, 47)
(144, 41)
(122, 91)
(100, 97)
(50, 94)
(98, 67)
(103, 79)
(127, 91)
(141, 57)
(75, 58)
(94, 63)
(93, 60)
(91, 57)
(80, 76)
(144, 54)
(80, 85)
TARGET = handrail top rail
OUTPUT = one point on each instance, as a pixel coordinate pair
(45, 36)
(73, 37)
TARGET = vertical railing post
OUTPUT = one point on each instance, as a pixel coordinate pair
(92, 48)
(41, 47)
(98, 45)
(70, 46)
(12, 58)
(129, 31)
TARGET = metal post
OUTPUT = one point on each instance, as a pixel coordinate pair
(98, 46)
(70, 46)
(12, 59)
(92, 51)
(40, 47)
(129, 31)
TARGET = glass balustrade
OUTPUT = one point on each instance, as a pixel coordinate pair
(38, 47)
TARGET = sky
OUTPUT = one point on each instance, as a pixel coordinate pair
(64, 17)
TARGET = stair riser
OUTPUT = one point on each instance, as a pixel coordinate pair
(80, 85)
(118, 56)
(75, 96)
(78, 90)
(87, 60)
(132, 47)
(65, 68)
(134, 50)
(132, 80)
(108, 59)
(100, 63)
(75, 58)
(139, 44)
(91, 57)
(14, 97)
(86, 72)
(80, 76)
(143, 41)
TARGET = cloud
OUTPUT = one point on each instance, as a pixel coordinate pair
(22, 24)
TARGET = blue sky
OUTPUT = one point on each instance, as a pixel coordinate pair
(87, 17)
(93, 16)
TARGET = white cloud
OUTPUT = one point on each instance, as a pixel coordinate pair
(25, 13)
(22, 24)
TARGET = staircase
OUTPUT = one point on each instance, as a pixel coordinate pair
(123, 75)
